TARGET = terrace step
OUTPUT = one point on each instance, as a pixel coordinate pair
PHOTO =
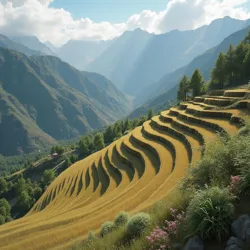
(191, 143)
(236, 93)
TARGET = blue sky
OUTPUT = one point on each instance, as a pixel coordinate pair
(113, 11)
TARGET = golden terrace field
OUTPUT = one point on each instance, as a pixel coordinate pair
(131, 174)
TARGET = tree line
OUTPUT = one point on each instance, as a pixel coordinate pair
(231, 69)
(93, 142)
(25, 191)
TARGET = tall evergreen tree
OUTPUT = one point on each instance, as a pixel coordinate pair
(184, 87)
(247, 66)
(230, 65)
(196, 83)
(240, 54)
(150, 114)
(219, 72)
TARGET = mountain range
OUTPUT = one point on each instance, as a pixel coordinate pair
(165, 90)
(138, 59)
(44, 99)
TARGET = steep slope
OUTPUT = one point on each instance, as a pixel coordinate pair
(33, 43)
(165, 90)
(52, 46)
(137, 59)
(131, 174)
(119, 59)
(7, 43)
(60, 100)
(18, 131)
(168, 52)
(81, 53)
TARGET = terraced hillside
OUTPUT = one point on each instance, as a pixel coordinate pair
(131, 174)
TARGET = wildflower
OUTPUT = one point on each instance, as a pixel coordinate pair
(158, 239)
(234, 184)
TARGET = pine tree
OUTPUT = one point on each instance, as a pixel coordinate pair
(196, 83)
(150, 114)
(239, 70)
(247, 65)
(230, 65)
(219, 72)
(183, 89)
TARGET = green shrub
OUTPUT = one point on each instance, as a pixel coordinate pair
(244, 130)
(2, 220)
(209, 213)
(107, 228)
(91, 236)
(3, 211)
(137, 224)
(121, 219)
(222, 159)
(244, 186)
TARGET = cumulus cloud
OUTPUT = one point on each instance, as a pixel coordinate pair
(37, 17)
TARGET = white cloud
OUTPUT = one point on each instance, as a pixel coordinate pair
(36, 17)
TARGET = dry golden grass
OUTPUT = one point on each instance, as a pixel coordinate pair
(131, 174)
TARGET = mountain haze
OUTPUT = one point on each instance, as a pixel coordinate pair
(165, 90)
(119, 59)
(81, 53)
(137, 59)
(33, 43)
(7, 43)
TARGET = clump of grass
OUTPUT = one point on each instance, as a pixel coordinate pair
(245, 130)
(107, 228)
(91, 236)
(209, 214)
(137, 224)
(121, 219)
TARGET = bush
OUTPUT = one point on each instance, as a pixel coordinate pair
(2, 220)
(138, 223)
(121, 219)
(244, 185)
(209, 213)
(244, 130)
(91, 236)
(107, 228)
(3, 211)
(222, 159)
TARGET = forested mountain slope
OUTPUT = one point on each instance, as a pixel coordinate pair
(160, 93)
(50, 100)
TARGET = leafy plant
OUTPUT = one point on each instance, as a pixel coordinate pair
(244, 185)
(107, 228)
(244, 130)
(223, 158)
(91, 236)
(138, 223)
(121, 219)
(210, 212)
